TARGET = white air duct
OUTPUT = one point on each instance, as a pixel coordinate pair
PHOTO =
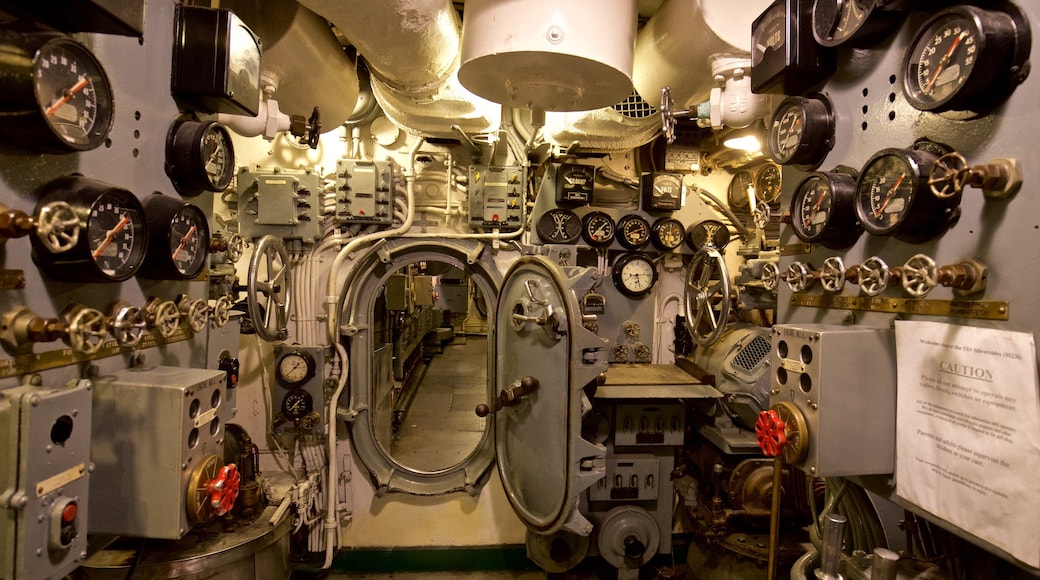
(411, 48)
(549, 55)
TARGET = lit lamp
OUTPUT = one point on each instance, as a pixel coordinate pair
(747, 139)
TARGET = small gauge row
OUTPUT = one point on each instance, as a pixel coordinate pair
(90, 231)
(632, 231)
(750, 187)
(963, 58)
(889, 196)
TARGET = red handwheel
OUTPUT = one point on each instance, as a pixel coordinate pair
(771, 433)
(223, 490)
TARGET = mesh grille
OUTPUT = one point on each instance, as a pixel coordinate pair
(752, 354)
(635, 107)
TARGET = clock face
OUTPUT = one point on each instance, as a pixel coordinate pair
(634, 274)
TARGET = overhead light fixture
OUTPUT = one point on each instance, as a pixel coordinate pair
(749, 143)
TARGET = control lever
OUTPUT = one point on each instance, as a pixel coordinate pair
(830, 559)
(509, 397)
(999, 178)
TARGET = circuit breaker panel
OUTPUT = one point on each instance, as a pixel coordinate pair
(497, 197)
(363, 192)
(283, 203)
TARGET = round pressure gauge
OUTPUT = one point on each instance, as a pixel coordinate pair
(667, 234)
(113, 241)
(57, 98)
(823, 210)
(768, 181)
(179, 239)
(559, 226)
(893, 196)
(297, 404)
(633, 231)
(199, 157)
(634, 274)
(837, 22)
(802, 131)
(295, 368)
(966, 59)
(598, 229)
(741, 189)
(707, 233)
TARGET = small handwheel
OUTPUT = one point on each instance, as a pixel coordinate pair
(832, 274)
(268, 286)
(236, 246)
(221, 311)
(949, 175)
(165, 317)
(196, 312)
(762, 214)
(313, 129)
(770, 276)
(87, 331)
(58, 227)
(707, 296)
(873, 276)
(128, 325)
(920, 275)
(798, 277)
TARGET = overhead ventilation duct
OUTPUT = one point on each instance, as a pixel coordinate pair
(674, 47)
(549, 55)
(411, 48)
(301, 58)
(626, 125)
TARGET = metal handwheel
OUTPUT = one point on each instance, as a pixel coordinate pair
(707, 296)
(268, 286)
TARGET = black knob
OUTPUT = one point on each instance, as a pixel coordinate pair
(634, 548)
(483, 410)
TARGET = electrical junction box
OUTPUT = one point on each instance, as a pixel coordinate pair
(282, 203)
(842, 381)
(153, 427)
(364, 192)
(497, 197)
(45, 473)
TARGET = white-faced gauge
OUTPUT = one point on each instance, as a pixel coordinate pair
(823, 210)
(893, 197)
(633, 231)
(559, 226)
(663, 192)
(634, 274)
(598, 229)
(295, 368)
(199, 157)
(666, 234)
(179, 239)
(966, 58)
(802, 131)
(57, 98)
(114, 240)
(741, 189)
(768, 182)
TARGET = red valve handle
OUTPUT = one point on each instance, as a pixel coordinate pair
(771, 433)
(223, 490)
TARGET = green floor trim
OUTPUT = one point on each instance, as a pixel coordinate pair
(512, 557)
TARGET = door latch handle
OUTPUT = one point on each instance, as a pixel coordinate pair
(509, 397)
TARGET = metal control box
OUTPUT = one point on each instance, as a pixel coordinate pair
(639, 425)
(283, 203)
(45, 477)
(842, 382)
(630, 478)
(364, 192)
(152, 428)
(497, 197)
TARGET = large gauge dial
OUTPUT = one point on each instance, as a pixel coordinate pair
(559, 226)
(295, 368)
(802, 131)
(768, 182)
(634, 274)
(823, 210)
(179, 234)
(633, 231)
(966, 59)
(893, 197)
(741, 189)
(598, 229)
(199, 157)
(113, 242)
(837, 22)
(667, 234)
(57, 97)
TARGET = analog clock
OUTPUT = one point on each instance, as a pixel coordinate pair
(634, 274)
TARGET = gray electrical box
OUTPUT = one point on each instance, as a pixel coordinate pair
(282, 203)
(45, 477)
(842, 381)
(497, 197)
(364, 192)
(154, 429)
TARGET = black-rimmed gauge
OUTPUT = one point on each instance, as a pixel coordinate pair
(662, 192)
(768, 183)
(741, 189)
(667, 234)
(802, 131)
(707, 233)
(559, 226)
(297, 404)
(178, 239)
(598, 229)
(634, 274)
(57, 98)
(893, 197)
(574, 184)
(113, 238)
(199, 157)
(967, 59)
(784, 56)
(823, 210)
(837, 22)
(295, 368)
(633, 231)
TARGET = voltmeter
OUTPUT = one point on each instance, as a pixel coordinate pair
(574, 184)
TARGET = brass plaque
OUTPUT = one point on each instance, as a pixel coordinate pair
(65, 356)
(802, 249)
(983, 309)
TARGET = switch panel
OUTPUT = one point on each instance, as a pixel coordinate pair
(364, 192)
(282, 203)
(649, 425)
(842, 381)
(152, 427)
(497, 197)
(629, 479)
(45, 472)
